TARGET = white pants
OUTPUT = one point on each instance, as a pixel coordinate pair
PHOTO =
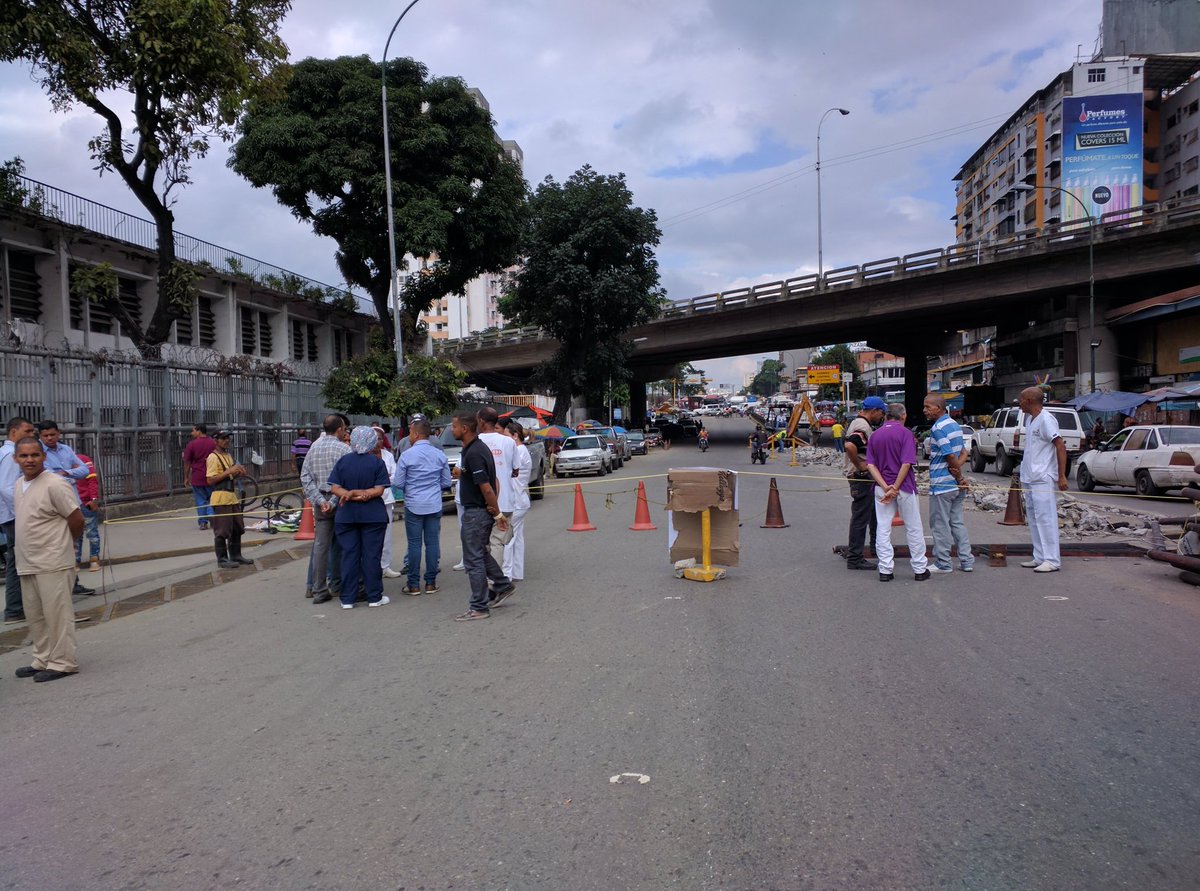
(1041, 513)
(910, 512)
(514, 551)
(386, 561)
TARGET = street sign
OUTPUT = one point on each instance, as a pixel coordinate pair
(824, 374)
(847, 377)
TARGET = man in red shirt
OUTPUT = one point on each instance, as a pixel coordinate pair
(89, 503)
(195, 469)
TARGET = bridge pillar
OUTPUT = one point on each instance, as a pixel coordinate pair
(637, 404)
(916, 382)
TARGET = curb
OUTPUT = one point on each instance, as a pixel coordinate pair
(177, 552)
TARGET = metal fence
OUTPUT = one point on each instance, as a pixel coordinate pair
(134, 419)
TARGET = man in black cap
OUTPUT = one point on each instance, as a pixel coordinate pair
(227, 524)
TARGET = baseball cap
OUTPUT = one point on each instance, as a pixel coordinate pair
(874, 402)
(222, 434)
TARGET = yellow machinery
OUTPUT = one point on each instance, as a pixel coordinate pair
(789, 438)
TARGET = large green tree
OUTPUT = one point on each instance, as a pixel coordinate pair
(768, 379)
(456, 198)
(589, 276)
(367, 384)
(842, 356)
(187, 66)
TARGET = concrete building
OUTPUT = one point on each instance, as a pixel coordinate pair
(1144, 27)
(880, 372)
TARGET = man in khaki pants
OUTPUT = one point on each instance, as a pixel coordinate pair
(48, 521)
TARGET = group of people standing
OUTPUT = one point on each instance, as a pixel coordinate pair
(880, 466)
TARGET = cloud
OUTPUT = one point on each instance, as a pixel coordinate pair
(696, 101)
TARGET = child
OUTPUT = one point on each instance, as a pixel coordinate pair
(89, 501)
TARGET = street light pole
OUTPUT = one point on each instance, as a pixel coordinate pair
(394, 285)
(820, 246)
(1093, 344)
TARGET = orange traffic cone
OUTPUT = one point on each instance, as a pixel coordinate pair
(774, 510)
(1014, 511)
(308, 528)
(641, 517)
(582, 523)
(896, 520)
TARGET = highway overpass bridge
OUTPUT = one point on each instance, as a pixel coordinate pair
(906, 305)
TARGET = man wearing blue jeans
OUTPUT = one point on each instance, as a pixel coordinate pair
(423, 473)
(947, 488)
(195, 469)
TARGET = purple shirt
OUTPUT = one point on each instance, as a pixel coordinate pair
(195, 455)
(891, 447)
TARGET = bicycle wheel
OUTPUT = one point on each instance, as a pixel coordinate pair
(247, 488)
(287, 503)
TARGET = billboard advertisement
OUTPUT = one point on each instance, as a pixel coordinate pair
(1102, 154)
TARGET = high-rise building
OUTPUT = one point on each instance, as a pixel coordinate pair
(1145, 27)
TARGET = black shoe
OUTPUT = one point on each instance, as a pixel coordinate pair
(81, 590)
(50, 674)
(27, 671)
(322, 598)
(240, 560)
(228, 564)
(11, 618)
(921, 576)
(886, 576)
(498, 597)
(863, 565)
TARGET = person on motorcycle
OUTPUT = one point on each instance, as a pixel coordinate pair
(703, 440)
(758, 442)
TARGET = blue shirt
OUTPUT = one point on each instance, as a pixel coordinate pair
(354, 471)
(423, 472)
(63, 457)
(945, 439)
(10, 472)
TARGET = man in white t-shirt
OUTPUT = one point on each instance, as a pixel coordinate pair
(1043, 473)
(504, 453)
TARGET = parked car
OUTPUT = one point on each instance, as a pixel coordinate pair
(637, 442)
(1151, 458)
(587, 453)
(537, 455)
(968, 434)
(619, 442)
(1000, 438)
(827, 419)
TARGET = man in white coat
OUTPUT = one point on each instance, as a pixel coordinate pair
(1043, 468)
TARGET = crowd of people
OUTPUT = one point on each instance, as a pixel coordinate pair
(880, 464)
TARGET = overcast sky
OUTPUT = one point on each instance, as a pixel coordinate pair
(697, 101)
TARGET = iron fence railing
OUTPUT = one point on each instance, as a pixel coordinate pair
(75, 210)
(133, 419)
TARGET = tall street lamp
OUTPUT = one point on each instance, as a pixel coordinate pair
(387, 175)
(1093, 344)
(820, 251)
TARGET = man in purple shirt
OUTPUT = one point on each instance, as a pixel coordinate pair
(195, 468)
(891, 457)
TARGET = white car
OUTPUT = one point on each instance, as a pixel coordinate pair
(584, 454)
(968, 433)
(1151, 458)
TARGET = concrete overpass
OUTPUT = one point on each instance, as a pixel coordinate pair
(904, 305)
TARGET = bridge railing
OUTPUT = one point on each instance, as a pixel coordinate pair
(1054, 236)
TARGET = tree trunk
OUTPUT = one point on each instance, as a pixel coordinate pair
(562, 401)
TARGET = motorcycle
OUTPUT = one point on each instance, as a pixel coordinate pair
(758, 452)
(704, 443)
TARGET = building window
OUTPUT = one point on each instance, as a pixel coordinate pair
(304, 341)
(1193, 190)
(184, 330)
(208, 321)
(1194, 107)
(256, 332)
(1095, 75)
(1191, 164)
(343, 345)
(21, 292)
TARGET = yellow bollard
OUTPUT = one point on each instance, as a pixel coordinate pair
(707, 572)
(794, 462)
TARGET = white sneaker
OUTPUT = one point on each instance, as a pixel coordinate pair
(389, 573)
(347, 606)
(382, 601)
(459, 566)
(968, 568)
(1030, 564)
(937, 570)
(1046, 567)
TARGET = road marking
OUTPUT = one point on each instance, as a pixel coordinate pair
(672, 598)
(642, 778)
(1055, 597)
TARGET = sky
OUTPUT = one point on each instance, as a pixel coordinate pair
(709, 107)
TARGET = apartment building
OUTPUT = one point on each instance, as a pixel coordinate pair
(880, 372)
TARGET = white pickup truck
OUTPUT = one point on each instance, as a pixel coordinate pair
(999, 440)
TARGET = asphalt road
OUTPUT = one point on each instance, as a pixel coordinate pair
(802, 727)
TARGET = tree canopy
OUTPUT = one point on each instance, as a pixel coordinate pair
(367, 384)
(189, 67)
(589, 276)
(456, 199)
(768, 379)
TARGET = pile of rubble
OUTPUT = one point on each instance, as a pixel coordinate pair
(812, 455)
(1075, 518)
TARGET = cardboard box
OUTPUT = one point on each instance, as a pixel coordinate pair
(691, 490)
(695, 488)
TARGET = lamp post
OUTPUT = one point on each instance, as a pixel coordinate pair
(394, 285)
(1093, 344)
(820, 246)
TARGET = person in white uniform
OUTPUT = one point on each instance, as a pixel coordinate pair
(1043, 473)
(514, 551)
(504, 454)
(389, 501)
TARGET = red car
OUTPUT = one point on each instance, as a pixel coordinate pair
(827, 419)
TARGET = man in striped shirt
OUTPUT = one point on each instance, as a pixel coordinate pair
(947, 488)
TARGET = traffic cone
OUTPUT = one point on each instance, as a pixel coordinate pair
(641, 517)
(896, 519)
(308, 527)
(774, 510)
(582, 523)
(1014, 511)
